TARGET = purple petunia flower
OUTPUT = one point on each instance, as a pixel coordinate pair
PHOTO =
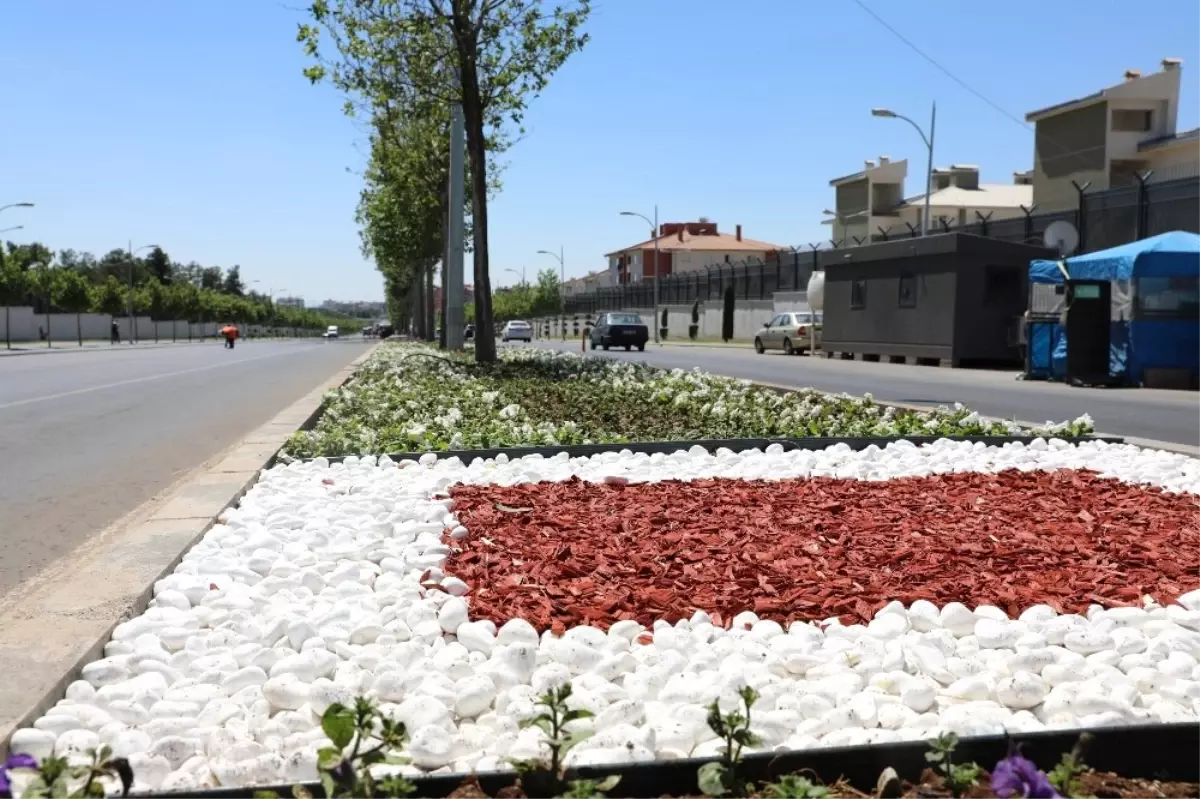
(1017, 776)
(14, 761)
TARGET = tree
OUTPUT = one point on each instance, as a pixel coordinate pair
(212, 278)
(233, 281)
(110, 297)
(72, 293)
(727, 315)
(491, 56)
(159, 265)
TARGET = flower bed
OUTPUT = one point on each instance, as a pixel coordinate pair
(407, 399)
(334, 580)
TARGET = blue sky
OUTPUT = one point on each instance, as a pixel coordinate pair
(186, 123)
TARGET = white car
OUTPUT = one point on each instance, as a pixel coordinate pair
(331, 331)
(517, 330)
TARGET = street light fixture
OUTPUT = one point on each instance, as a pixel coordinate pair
(520, 274)
(16, 205)
(562, 286)
(132, 322)
(889, 114)
(653, 235)
(14, 227)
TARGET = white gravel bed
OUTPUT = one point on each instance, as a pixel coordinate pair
(308, 593)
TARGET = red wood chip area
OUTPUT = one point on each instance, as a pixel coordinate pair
(562, 554)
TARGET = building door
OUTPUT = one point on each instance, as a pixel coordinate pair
(1089, 327)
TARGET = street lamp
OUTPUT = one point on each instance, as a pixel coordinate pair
(14, 227)
(520, 274)
(562, 285)
(16, 205)
(889, 114)
(132, 322)
(653, 235)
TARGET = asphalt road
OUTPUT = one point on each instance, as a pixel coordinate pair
(1172, 416)
(87, 437)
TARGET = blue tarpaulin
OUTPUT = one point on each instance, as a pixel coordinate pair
(1144, 335)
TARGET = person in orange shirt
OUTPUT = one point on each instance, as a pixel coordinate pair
(230, 332)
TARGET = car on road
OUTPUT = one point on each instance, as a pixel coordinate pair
(791, 332)
(619, 329)
(331, 331)
(469, 333)
(517, 330)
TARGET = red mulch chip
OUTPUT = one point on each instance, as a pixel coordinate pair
(586, 553)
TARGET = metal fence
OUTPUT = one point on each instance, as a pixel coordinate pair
(757, 280)
(1103, 218)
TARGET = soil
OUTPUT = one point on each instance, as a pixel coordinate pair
(571, 553)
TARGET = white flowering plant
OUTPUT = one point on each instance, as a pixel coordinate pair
(410, 398)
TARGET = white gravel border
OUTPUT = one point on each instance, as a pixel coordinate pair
(307, 593)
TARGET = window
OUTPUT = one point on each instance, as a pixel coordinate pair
(858, 294)
(1131, 121)
(1001, 286)
(908, 291)
(624, 319)
(1167, 297)
(780, 321)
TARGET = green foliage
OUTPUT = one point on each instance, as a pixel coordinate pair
(1065, 776)
(403, 401)
(56, 778)
(727, 315)
(794, 786)
(361, 737)
(590, 789)
(721, 777)
(959, 776)
(553, 721)
(72, 292)
(110, 297)
(402, 62)
(527, 302)
(232, 284)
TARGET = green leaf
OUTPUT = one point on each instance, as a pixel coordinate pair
(338, 724)
(328, 758)
(711, 779)
(581, 713)
(608, 783)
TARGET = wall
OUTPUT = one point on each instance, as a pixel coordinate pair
(1069, 146)
(21, 320)
(748, 318)
(699, 261)
(881, 326)
(65, 327)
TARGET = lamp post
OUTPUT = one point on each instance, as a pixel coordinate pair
(16, 205)
(7, 319)
(562, 279)
(653, 235)
(888, 114)
(274, 319)
(40, 268)
(132, 321)
(839, 219)
(520, 274)
(14, 227)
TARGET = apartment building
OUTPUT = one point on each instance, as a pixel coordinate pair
(685, 247)
(871, 205)
(1104, 138)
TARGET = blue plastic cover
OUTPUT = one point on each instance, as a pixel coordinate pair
(1164, 255)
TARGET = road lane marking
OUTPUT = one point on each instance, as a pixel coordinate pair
(135, 380)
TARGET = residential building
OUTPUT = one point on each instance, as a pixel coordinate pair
(290, 302)
(870, 204)
(585, 284)
(1107, 137)
(685, 247)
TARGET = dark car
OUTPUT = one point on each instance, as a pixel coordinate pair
(619, 330)
(386, 331)
(469, 333)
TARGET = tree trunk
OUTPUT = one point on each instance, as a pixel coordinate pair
(430, 318)
(467, 42)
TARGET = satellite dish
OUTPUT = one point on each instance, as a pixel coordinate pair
(1061, 236)
(816, 291)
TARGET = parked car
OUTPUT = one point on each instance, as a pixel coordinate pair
(517, 330)
(619, 330)
(469, 333)
(792, 332)
(385, 331)
(331, 331)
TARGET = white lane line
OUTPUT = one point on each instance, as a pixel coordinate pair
(133, 381)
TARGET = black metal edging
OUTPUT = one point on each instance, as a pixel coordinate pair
(712, 445)
(1149, 751)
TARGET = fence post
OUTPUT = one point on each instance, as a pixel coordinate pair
(1029, 222)
(883, 233)
(913, 230)
(983, 222)
(1142, 220)
(1081, 214)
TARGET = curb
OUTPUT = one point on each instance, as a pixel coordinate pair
(1144, 443)
(60, 620)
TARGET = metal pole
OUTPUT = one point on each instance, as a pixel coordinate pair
(454, 288)
(929, 171)
(656, 338)
(130, 302)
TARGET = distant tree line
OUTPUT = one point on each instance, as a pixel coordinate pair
(69, 281)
